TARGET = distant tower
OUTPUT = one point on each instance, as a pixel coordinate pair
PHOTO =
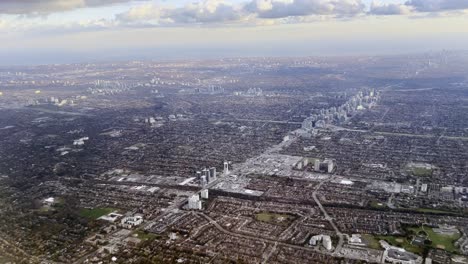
(317, 165)
(194, 202)
(330, 165)
(206, 173)
(226, 167)
(204, 194)
(327, 243)
(203, 180)
(213, 173)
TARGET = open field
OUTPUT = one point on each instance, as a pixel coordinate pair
(95, 213)
(273, 218)
(400, 241)
(439, 240)
(144, 235)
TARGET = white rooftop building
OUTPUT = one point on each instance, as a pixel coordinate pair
(226, 168)
(326, 241)
(204, 194)
(194, 202)
(132, 221)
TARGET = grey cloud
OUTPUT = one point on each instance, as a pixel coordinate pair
(437, 5)
(281, 8)
(205, 12)
(44, 7)
(388, 9)
(219, 11)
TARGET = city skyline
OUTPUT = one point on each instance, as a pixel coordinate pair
(58, 31)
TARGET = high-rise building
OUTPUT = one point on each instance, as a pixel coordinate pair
(226, 167)
(331, 166)
(299, 165)
(204, 194)
(194, 202)
(213, 173)
(206, 173)
(203, 180)
(317, 165)
(424, 187)
(327, 243)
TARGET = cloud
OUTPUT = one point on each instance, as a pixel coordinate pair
(210, 12)
(148, 12)
(2, 24)
(44, 7)
(377, 8)
(291, 8)
(437, 5)
(255, 12)
(204, 12)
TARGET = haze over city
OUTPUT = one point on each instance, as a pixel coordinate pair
(55, 31)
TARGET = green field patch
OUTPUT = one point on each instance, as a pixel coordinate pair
(402, 242)
(420, 170)
(144, 235)
(377, 205)
(442, 241)
(274, 218)
(434, 211)
(371, 241)
(95, 213)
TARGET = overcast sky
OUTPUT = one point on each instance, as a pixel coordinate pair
(58, 31)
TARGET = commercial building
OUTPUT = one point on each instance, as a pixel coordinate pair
(194, 202)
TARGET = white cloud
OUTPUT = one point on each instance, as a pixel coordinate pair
(147, 12)
(44, 7)
(437, 5)
(291, 8)
(378, 8)
(210, 12)
(204, 12)
(256, 12)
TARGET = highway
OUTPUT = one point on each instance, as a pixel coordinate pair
(329, 219)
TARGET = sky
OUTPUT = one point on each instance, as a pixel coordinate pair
(64, 31)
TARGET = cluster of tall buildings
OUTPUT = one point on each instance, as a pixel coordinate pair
(52, 101)
(255, 91)
(326, 166)
(326, 241)
(250, 92)
(113, 84)
(206, 176)
(365, 99)
(194, 201)
(210, 90)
